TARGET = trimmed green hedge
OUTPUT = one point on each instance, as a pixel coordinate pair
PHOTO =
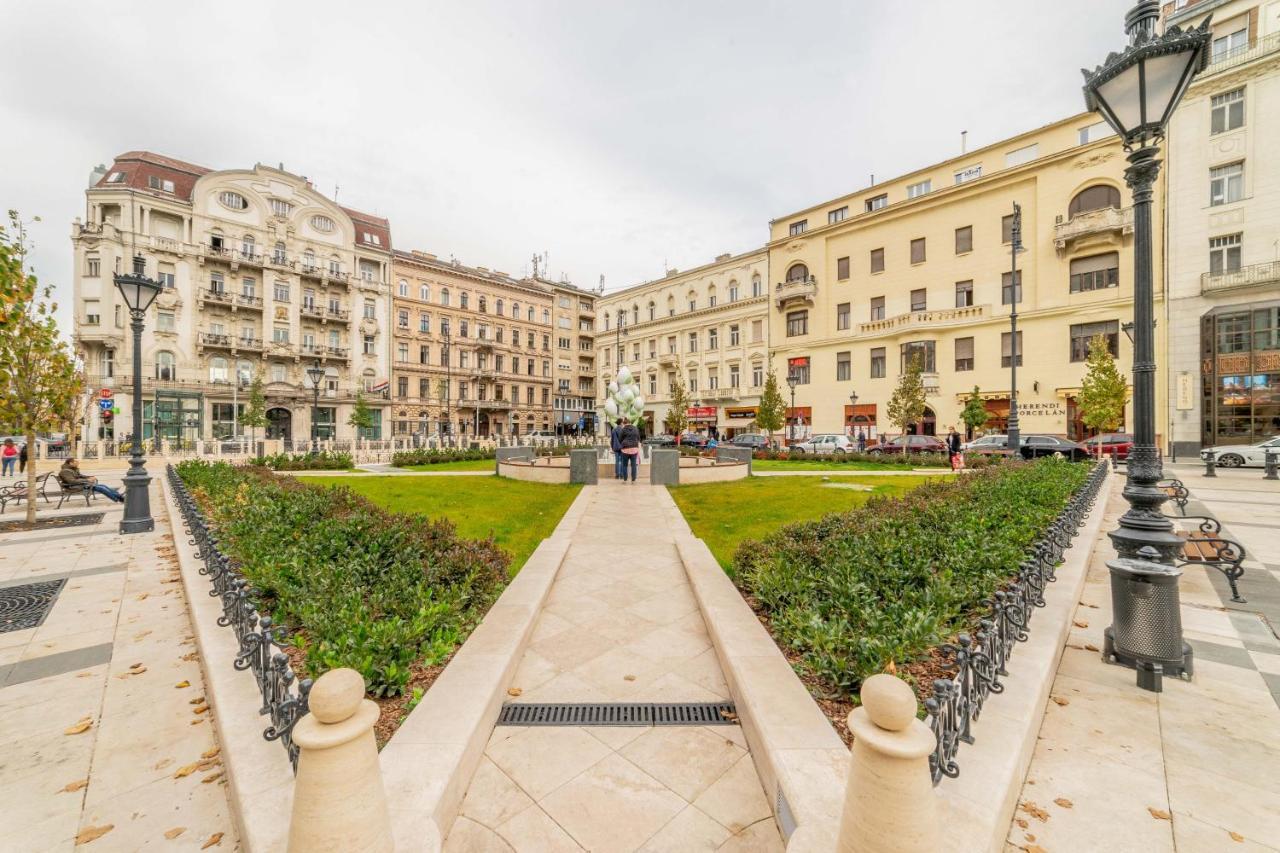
(853, 592)
(362, 587)
(326, 461)
(887, 460)
(426, 456)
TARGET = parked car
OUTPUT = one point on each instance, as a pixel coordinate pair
(662, 440)
(1037, 446)
(1243, 455)
(825, 444)
(910, 444)
(753, 440)
(995, 444)
(693, 439)
(1114, 444)
(542, 436)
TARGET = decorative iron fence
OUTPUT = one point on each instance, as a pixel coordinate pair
(980, 659)
(261, 644)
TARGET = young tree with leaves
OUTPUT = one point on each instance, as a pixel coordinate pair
(361, 415)
(1104, 390)
(906, 406)
(975, 414)
(771, 414)
(255, 411)
(39, 383)
(676, 421)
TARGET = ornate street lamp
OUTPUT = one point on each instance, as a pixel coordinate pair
(1015, 293)
(853, 417)
(138, 292)
(793, 379)
(1136, 91)
(315, 373)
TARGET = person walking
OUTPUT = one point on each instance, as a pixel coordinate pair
(615, 445)
(629, 438)
(862, 441)
(954, 446)
(22, 459)
(8, 457)
(69, 475)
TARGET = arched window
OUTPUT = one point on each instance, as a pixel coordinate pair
(653, 310)
(404, 287)
(635, 314)
(244, 371)
(217, 369)
(464, 299)
(369, 379)
(444, 296)
(515, 310)
(308, 260)
(733, 290)
(757, 287)
(1096, 197)
(671, 305)
(166, 366)
(531, 313)
(798, 272)
(498, 306)
(484, 305)
(424, 293)
(247, 247)
(711, 296)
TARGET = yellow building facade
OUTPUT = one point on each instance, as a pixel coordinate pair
(922, 266)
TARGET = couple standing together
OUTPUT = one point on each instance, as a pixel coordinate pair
(624, 441)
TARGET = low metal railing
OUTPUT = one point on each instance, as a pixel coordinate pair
(261, 643)
(980, 659)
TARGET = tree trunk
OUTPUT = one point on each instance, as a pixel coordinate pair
(31, 476)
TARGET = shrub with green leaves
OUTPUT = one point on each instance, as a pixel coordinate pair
(362, 587)
(888, 581)
(435, 456)
(325, 461)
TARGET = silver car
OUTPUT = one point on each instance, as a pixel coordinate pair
(825, 445)
(1243, 455)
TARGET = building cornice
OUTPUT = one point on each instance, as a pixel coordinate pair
(744, 259)
(701, 313)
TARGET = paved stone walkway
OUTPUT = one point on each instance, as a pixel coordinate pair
(104, 737)
(1193, 768)
(620, 624)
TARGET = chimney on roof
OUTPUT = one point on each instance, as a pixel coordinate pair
(98, 173)
(672, 272)
(483, 269)
(726, 256)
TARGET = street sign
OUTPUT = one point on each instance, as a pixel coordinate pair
(105, 394)
(105, 404)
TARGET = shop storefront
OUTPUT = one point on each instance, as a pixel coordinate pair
(799, 423)
(1240, 374)
(738, 420)
(701, 418)
(861, 420)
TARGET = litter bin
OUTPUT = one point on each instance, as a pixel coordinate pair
(1146, 627)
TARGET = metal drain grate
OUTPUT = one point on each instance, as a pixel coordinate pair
(618, 714)
(26, 606)
(81, 520)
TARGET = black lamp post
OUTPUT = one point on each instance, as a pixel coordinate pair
(138, 292)
(853, 415)
(792, 381)
(316, 374)
(1015, 292)
(448, 381)
(1136, 92)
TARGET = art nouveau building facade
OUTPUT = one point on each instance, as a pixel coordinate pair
(261, 274)
(708, 326)
(1223, 237)
(921, 267)
(574, 394)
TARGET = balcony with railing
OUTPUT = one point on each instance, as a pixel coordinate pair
(1254, 275)
(216, 296)
(311, 311)
(1242, 55)
(800, 290)
(1108, 220)
(926, 319)
(245, 300)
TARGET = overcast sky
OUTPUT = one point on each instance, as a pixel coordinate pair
(617, 137)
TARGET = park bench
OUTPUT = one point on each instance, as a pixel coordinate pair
(85, 490)
(1177, 492)
(1206, 546)
(17, 493)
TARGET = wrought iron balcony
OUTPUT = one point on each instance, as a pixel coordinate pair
(1108, 220)
(1255, 275)
(210, 294)
(1243, 54)
(246, 301)
(803, 291)
(926, 319)
(311, 310)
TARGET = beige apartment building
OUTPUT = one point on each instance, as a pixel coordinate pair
(472, 353)
(261, 274)
(1222, 175)
(573, 398)
(920, 266)
(707, 325)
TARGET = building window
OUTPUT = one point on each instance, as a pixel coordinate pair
(842, 317)
(1097, 197)
(322, 223)
(1006, 229)
(964, 354)
(1094, 132)
(919, 189)
(693, 380)
(693, 342)
(964, 239)
(1224, 254)
(919, 300)
(370, 347)
(1096, 272)
(402, 352)
(918, 350)
(757, 331)
(248, 288)
(1006, 349)
(757, 286)
(278, 372)
(424, 354)
(1227, 111)
(402, 387)
(280, 334)
(798, 227)
(1227, 46)
(1022, 155)
(370, 310)
(964, 294)
(92, 266)
(917, 250)
(840, 214)
(279, 291)
(757, 375)
(798, 272)
(877, 202)
(164, 319)
(877, 308)
(799, 368)
(1226, 184)
(843, 367)
(877, 260)
(235, 201)
(424, 322)
(163, 184)
(797, 323)
(734, 337)
(1011, 288)
(402, 318)
(735, 377)
(281, 208)
(877, 362)
(713, 341)
(842, 268)
(1083, 333)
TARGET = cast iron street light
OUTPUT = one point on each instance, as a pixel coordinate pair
(853, 415)
(448, 381)
(792, 381)
(1136, 92)
(138, 292)
(316, 374)
(1015, 295)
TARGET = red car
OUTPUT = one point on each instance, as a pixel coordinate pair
(910, 444)
(1114, 444)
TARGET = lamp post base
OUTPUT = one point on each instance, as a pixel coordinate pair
(1149, 672)
(137, 500)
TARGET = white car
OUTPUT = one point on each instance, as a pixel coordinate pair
(1243, 455)
(987, 443)
(825, 445)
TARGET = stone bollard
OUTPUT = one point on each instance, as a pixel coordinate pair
(1210, 462)
(1271, 471)
(338, 799)
(889, 803)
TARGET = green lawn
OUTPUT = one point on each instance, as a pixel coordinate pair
(460, 465)
(519, 515)
(821, 464)
(725, 514)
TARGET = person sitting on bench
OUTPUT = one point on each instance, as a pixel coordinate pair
(70, 478)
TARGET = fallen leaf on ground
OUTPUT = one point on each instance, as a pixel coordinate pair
(1064, 802)
(1061, 700)
(93, 833)
(729, 715)
(199, 709)
(1021, 822)
(82, 726)
(191, 656)
(140, 635)
(142, 596)
(212, 777)
(214, 840)
(891, 668)
(514, 691)
(628, 678)
(1235, 836)
(1035, 848)
(1080, 623)
(210, 753)
(175, 832)
(83, 674)
(162, 763)
(1030, 837)
(72, 787)
(1074, 646)
(1159, 814)
(185, 770)
(195, 701)
(1034, 810)
(197, 721)
(135, 665)
(1091, 647)
(182, 684)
